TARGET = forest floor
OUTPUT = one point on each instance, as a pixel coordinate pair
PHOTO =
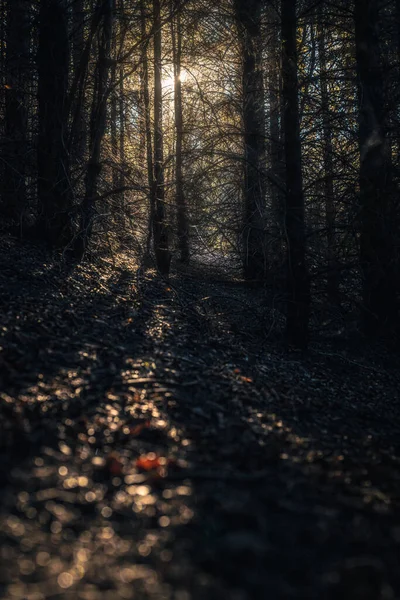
(156, 443)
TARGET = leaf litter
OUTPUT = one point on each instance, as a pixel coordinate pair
(155, 444)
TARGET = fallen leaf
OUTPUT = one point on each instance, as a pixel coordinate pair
(150, 462)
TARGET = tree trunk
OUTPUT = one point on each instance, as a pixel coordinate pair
(114, 114)
(377, 252)
(147, 130)
(333, 279)
(76, 104)
(79, 133)
(182, 218)
(248, 14)
(15, 149)
(121, 120)
(160, 232)
(97, 127)
(298, 284)
(276, 150)
(54, 190)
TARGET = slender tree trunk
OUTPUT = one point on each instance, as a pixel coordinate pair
(298, 284)
(182, 218)
(76, 104)
(15, 149)
(147, 129)
(160, 232)
(121, 120)
(276, 150)
(97, 127)
(377, 252)
(248, 14)
(333, 280)
(117, 120)
(54, 190)
(114, 116)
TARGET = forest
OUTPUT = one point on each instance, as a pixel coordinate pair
(199, 299)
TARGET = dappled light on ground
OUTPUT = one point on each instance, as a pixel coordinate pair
(150, 451)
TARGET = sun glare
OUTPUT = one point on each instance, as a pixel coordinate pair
(169, 81)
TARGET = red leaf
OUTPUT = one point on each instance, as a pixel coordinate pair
(149, 462)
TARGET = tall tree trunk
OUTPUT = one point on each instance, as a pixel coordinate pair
(248, 14)
(117, 119)
(147, 128)
(276, 149)
(160, 232)
(121, 120)
(182, 218)
(54, 190)
(79, 132)
(332, 279)
(114, 113)
(97, 127)
(117, 123)
(298, 284)
(77, 104)
(15, 149)
(377, 252)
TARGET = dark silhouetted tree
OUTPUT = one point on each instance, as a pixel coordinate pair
(160, 231)
(15, 143)
(54, 186)
(298, 283)
(377, 252)
(248, 15)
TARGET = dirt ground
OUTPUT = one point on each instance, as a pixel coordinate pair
(158, 442)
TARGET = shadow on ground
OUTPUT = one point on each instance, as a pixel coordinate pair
(153, 447)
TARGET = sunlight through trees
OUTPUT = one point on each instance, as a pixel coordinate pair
(259, 136)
